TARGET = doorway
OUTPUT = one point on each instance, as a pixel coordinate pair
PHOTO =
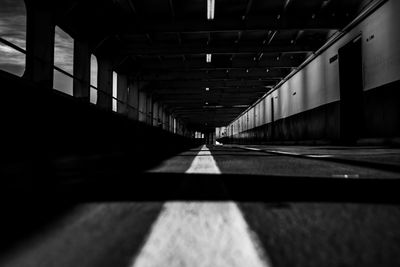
(351, 91)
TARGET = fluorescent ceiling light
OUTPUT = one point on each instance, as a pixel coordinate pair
(207, 89)
(210, 9)
(208, 58)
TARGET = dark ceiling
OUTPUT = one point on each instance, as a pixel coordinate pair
(254, 44)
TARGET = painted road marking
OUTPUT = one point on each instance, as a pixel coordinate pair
(204, 163)
(318, 156)
(289, 153)
(252, 148)
(345, 176)
(200, 234)
(283, 152)
(270, 151)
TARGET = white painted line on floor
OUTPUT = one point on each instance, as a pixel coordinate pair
(204, 163)
(201, 234)
(283, 152)
(319, 156)
(345, 176)
(252, 148)
(289, 153)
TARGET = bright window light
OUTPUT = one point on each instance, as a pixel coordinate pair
(207, 89)
(208, 58)
(210, 9)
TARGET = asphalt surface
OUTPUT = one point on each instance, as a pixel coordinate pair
(289, 234)
(268, 161)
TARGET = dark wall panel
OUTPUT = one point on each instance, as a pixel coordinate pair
(47, 133)
(381, 117)
(382, 111)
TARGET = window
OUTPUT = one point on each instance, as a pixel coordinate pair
(114, 91)
(13, 30)
(63, 59)
(93, 79)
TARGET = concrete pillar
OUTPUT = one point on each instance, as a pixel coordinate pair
(40, 32)
(155, 113)
(133, 100)
(160, 116)
(81, 86)
(171, 123)
(149, 109)
(142, 106)
(174, 125)
(181, 129)
(210, 138)
(166, 121)
(104, 83)
(122, 93)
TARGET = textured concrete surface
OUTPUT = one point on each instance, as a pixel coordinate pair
(287, 234)
(103, 234)
(233, 159)
(315, 234)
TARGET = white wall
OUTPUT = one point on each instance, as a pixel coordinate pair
(318, 82)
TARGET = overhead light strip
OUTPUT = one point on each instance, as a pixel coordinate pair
(210, 9)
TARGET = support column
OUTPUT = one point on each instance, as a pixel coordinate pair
(133, 100)
(210, 138)
(171, 123)
(166, 121)
(142, 106)
(160, 116)
(149, 109)
(155, 114)
(122, 93)
(104, 83)
(175, 126)
(81, 86)
(39, 65)
(179, 126)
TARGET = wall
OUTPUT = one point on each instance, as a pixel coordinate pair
(46, 133)
(307, 106)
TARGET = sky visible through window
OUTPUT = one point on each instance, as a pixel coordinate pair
(64, 59)
(13, 29)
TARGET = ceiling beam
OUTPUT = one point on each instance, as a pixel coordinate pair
(194, 49)
(204, 76)
(132, 7)
(238, 63)
(199, 84)
(262, 23)
(171, 6)
(215, 91)
(217, 79)
(197, 74)
(247, 11)
(285, 6)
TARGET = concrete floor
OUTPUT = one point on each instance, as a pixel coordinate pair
(260, 233)
(361, 162)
